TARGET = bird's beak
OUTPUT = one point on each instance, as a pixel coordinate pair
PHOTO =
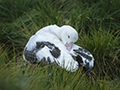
(69, 46)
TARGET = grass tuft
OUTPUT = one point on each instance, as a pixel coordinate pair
(97, 23)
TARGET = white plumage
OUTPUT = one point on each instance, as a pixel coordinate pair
(56, 44)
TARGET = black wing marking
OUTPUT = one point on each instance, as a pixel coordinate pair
(84, 53)
(55, 51)
(79, 60)
(30, 56)
(84, 58)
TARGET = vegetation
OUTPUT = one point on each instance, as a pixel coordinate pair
(98, 25)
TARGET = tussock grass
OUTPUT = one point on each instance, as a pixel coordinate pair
(17, 75)
(97, 23)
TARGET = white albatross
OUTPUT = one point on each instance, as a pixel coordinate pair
(56, 44)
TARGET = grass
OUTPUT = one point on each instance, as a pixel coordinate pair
(97, 23)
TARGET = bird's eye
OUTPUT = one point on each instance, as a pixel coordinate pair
(68, 36)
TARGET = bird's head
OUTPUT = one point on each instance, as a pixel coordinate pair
(68, 36)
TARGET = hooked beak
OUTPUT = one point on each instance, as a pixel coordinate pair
(69, 46)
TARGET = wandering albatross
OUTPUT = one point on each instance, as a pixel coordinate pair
(56, 44)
